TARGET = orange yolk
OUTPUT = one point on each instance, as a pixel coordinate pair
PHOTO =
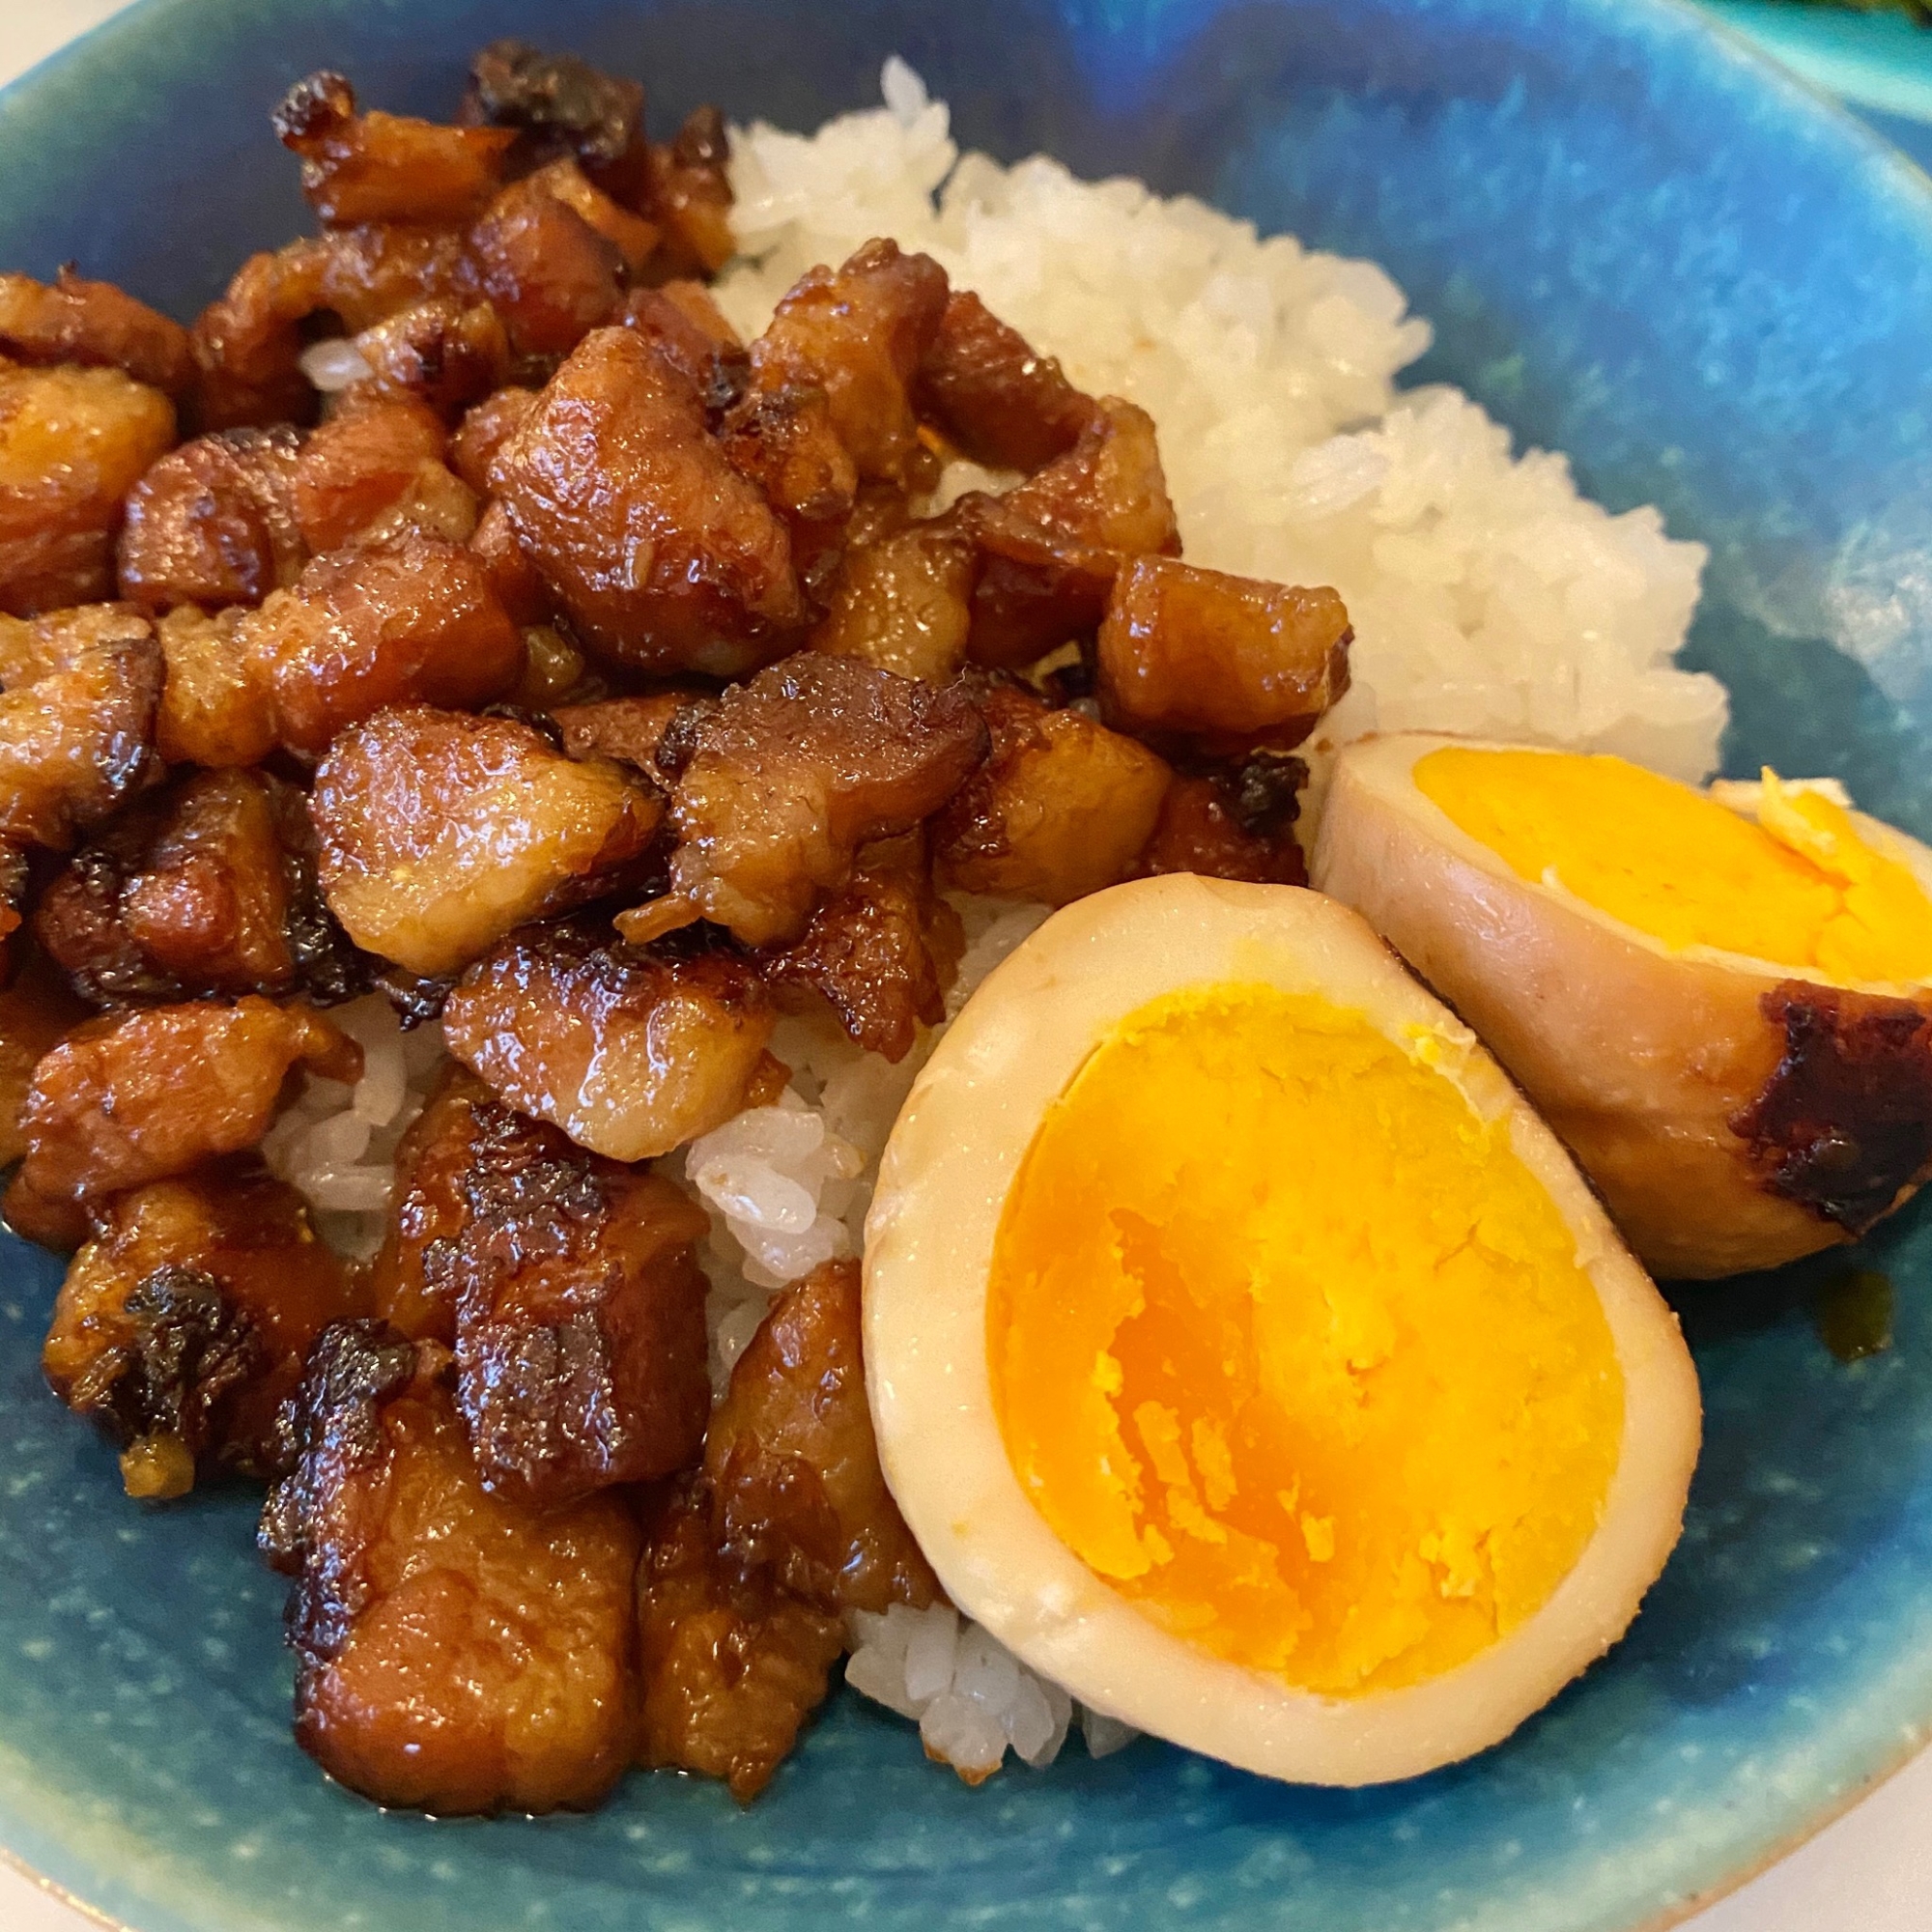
(1289, 1345)
(1798, 888)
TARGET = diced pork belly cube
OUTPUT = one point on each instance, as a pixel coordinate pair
(443, 832)
(631, 1053)
(459, 1652)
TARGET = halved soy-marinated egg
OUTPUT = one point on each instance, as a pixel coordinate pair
(1249, 1358)
(1722, 1001)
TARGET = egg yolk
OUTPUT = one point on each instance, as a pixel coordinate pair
(1289, 1345)
(1799, 888)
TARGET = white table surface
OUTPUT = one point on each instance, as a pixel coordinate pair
(1869, 1872)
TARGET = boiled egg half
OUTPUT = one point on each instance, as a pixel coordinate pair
(1248, 1357)
(1722, 1001)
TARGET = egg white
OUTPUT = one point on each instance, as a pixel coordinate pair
(943, 1181)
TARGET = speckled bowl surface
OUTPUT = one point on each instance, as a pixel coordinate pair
(1640, 244)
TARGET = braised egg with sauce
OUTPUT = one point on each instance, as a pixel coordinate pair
(1722, 1001)
(1248, 1357)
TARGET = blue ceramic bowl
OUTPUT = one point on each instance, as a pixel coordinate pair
(1640, 244)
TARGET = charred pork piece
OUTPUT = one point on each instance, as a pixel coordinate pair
(441, 832)
(904, 602)
(209, 888)
(1226, 662)
(413, 1280)
(412, 620)
(998, 400)
(689, 196)
(664, 557)
(858, 332)
(443, 353)
(1052, 548)
(182, 1326)
(213, 712)
(460, 1651)
(785, 778)
(550, 275)
(214, 523)
(580, 1315)
(37, 1009)
(880, 952)
(248, 343)
(1232, 824)
(632, 1054)
(148, 1094)
(78, 693)
(792, 1464)
(363, 460)
(384, 167)
(73, 442)
(560, 105)
(94, 325)
(628, 730)
(733, 1662)
(1062, 808)
(485, 429)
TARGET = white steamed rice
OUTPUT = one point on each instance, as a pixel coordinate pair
(1487, 597)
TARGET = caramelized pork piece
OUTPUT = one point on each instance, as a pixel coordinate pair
(784, 439)
(93, 324)
(687, 330)
(248, 343)
(783, 778)
(410, 619)
(733, 1662)
(664, 557)
(629, 729)
(881, 950)
(214, 523)
(209, 888)
(1051, 548)
(384, 167)
(439, 832)
(73, 443)
(182, 1326)
(1232, 825)
(1062, 808)
(443, 353)
(484, 431)
(144, 1095)
(860, 333)
(213, 712)
(549, 273)
(629, 1053)
(792, 1464)
(513, 576)
(580, 1316)
(689, 196)
(460, 1651)
(78, 693)
(630, 234)
(1228, 662)
(413, 1280)
(369, 454)
(904, 604)
(998, 400)
(14, 881)
(36, 1009)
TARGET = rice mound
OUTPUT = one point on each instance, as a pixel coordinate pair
(1487, 597)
